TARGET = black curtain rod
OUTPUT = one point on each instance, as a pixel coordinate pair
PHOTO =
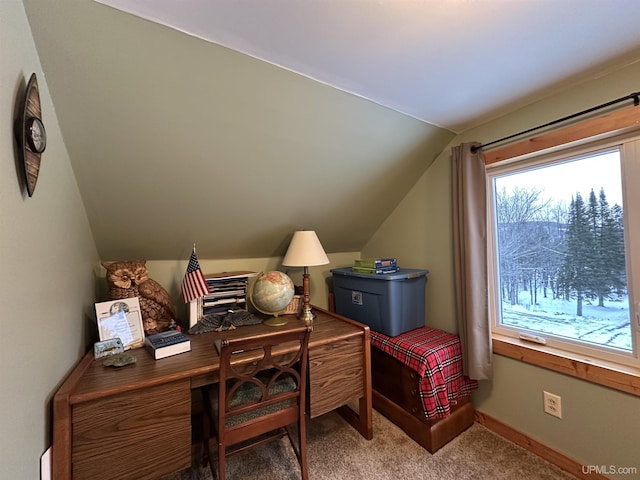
(634, 96)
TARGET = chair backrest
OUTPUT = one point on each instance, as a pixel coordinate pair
(262, 383)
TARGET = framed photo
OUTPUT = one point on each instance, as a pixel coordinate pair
(121, 319)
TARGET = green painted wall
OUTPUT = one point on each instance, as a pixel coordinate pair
(48, 259)
(170, 273)
(600, 425)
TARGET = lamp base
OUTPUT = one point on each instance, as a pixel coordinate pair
(307, 314)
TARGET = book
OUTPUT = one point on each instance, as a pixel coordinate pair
(376, 262)
(222, 301)
(375, 271)
(165, 344)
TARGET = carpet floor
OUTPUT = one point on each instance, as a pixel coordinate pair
(336, 451)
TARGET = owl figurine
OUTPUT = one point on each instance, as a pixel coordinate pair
(131, 279)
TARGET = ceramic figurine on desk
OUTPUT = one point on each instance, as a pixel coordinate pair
(216, 322)
(131, 279)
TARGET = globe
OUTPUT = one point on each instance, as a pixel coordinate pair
(272, 292)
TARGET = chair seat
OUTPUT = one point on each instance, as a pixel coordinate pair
(249, 392)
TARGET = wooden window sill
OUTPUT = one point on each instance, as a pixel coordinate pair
(616, 376)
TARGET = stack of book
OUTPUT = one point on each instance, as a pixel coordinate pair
(378, 266)
(165, 344)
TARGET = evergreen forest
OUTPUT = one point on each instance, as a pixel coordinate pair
(570, 251)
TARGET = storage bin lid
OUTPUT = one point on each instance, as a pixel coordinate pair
(402, 274)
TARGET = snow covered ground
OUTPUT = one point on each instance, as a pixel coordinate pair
(608, 325)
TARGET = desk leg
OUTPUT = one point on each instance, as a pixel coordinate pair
(362, 421)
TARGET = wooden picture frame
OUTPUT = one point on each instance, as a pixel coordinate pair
(121, 319)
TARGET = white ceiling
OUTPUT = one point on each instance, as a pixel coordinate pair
(451, 63)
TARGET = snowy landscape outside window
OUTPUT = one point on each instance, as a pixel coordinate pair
(559, 244)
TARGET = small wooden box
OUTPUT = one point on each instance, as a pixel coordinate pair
(396, 394)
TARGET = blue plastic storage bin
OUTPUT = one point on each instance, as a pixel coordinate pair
(391, 303)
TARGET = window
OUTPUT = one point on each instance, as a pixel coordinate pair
(561, 266)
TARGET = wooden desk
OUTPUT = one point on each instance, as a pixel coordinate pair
(134, 422)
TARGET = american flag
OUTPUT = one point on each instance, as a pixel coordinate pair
(193, 284)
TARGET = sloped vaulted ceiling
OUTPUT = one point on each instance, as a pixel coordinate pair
(451, 63)
(176, 139)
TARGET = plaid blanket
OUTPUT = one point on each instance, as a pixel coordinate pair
(436, 356)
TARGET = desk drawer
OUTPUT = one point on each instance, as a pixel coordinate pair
(141, 434)
(336, 373)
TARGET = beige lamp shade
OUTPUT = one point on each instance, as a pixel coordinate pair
(305, 250)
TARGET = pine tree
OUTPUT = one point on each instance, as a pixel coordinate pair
(617, 251)
(576, 272)
(599, 282)
(607, 265)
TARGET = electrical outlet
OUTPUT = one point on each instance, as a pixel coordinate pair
(552, 404)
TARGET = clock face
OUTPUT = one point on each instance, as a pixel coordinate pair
(36, 135)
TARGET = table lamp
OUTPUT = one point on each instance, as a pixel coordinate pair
(305, 250)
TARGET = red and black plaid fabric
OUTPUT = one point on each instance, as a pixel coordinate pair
(436, 356)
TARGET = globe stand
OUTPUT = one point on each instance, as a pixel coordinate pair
(275, 321)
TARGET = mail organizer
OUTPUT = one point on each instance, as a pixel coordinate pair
(418, 384)
(227, 291)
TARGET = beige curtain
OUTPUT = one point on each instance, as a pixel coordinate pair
(470, 260)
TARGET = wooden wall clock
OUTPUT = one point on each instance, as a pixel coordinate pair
(30, 134)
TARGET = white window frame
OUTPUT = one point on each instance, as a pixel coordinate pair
(629, 145)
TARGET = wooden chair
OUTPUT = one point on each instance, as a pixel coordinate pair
(261, 393)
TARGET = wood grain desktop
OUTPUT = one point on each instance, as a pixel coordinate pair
(134, 422)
